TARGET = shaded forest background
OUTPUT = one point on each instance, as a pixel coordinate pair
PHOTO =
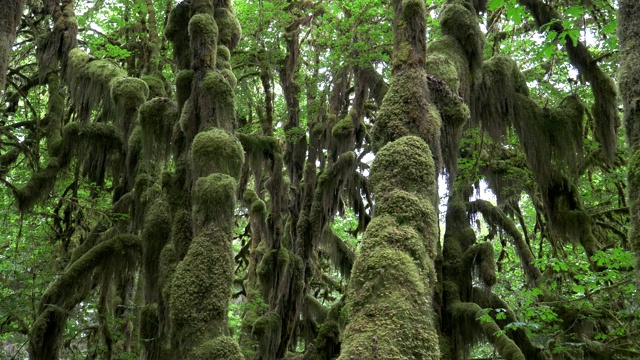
(289, 179)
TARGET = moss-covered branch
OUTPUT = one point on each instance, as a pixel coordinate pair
(493, 215)
(45, 339)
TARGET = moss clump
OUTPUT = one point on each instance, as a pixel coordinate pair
(176, 31)
(38, 187)
(128, 93)
(201, 288)
(224, 54)
(203, 31)
(217, 91)
(447, 61)
(458, 19)
(214, 201)
(216, 151)
(155, 234)
(388, 303)
(229, 26)
(495, 95)
(344, 128)
(181, 232)
(89, 82)
(220, 348)
(157, 118)
(404, 164)
(230, 77)
(202, 7)
(406, 111)
(275, 261)
(184, 80)
(157, 87)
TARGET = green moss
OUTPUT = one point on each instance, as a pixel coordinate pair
(223, 53)
(267, 323)
(230, 30)
(128, 93)
(157, 118)
(202, 7)
(203, 31)
(166, 268)
(406, 111)
(388, 305)
(447, 61)
(156, 86)
(216, 151)
(274, 261)
(214, 201)
(495, 95)
(149, 322)
(459, 20)
(89, 82)
(181, 232)
(404, 164)
(176, 31)
(201, 289)
(155, 234)
(230, 77)
(218, 91)
(220, 348)
(344, 128)
(38, 187)
(184, 80)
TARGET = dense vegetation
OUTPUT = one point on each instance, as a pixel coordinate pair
(289, 179)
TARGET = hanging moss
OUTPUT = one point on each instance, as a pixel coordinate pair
(177, 32)
(70, 288)
(447, 61)
(127, 94)
(230, 30)
(275, 261)
(53, 119)
(482, 257)
(266, 328)
(89, 82)
(157, 118)
(166, 268)
(155, 234)
(157, 87)
(200, 290)
(216, 151)
(495, 95)
(468, 314)
(214, 201)
(220, 348)
(38, 187)
(458, 19)
(341, 256)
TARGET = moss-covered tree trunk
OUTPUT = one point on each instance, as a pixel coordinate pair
(629, 35)
(10, 15)
(391, 289)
